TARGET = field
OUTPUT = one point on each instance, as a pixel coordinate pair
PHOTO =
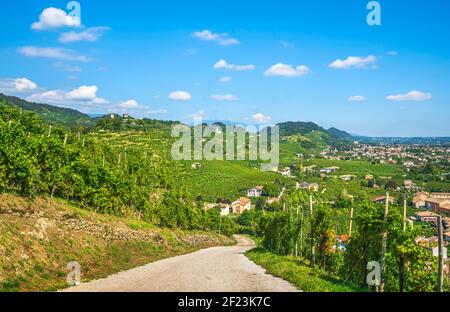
(227, 179)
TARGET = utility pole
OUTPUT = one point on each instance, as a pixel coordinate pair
(301, 233)
(65, 141)
(404, 212)
(313, 242)
(441, 255)
(384, 243)
(49, 130)
(296, 238)
(350, 227)
(402, 259)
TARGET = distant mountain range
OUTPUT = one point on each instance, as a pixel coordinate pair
(73, 118)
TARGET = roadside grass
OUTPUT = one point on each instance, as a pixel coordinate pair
(298, 273)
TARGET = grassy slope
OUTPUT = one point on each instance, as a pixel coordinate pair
(226, 179)
(39, 238)
(297, 273)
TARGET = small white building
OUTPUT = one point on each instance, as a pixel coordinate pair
(286, 172)
(256, 191)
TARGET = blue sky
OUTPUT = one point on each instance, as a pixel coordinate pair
(284, 60)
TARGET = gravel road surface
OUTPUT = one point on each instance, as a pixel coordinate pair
(214, 269)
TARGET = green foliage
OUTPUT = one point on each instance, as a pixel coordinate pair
(37, 160)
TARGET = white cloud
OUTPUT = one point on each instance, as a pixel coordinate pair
(225, 79)
(222, 64)
(52, 96)
(261, 118)
(24, 84)
(286, 70)
(81, 95)
(357, 98)
(91, 35)
(53, 53)
(222, 39)
(157, 112)
(100, 101)
(129, 104)
(392, 53)
(17, 85)
(67, 68)
(226, 97)
(180, 96)
(198, 116)
(52, 18)
(286, 44)
(355, 62)
(410, 96)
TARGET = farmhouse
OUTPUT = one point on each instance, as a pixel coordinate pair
(368, 177)
(272, 200)
(382, 199)
(313, 187)
(447, 236)
(286, 172)
(426, 216)
(256, 191)
(410, 185)
(438, 205)
(309, 168)
(224, 209)
(347, 177)
(419, 199)
(329, 169)
(240, 205)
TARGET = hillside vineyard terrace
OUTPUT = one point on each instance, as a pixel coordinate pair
(207, 143)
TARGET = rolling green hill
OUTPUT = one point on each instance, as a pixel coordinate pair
(52, 114)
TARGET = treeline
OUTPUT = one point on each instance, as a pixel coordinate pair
(311, 236)
(37, 159)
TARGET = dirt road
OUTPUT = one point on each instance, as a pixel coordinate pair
(214, 269)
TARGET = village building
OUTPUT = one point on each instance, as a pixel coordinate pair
(272, 200)
(382, 199)
(419, 199)
(329, 169)
(309, 168)
(347, 177)
(240, 205)
(426, 216)
(438, 205)
(224, 209)
(312, 187)
(410, 185)
(256, 191)
(286, 172)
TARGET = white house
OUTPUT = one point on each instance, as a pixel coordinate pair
(256, 191)
(286, 172)
(224, 209)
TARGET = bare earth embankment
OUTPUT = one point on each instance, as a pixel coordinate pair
(38, 238)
